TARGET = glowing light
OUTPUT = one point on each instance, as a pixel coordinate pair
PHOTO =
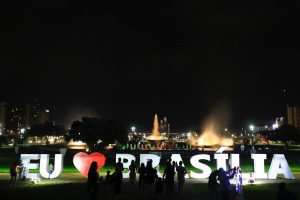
(275, 126)
(251, 127)
(210, 137)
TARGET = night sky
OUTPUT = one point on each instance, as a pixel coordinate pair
(129, 59)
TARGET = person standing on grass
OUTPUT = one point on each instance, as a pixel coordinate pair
(92, 182)
(142, 175)
(119, 165)
(168, 176)
(13, 174)
(117, 182)
(224, 178)
(132, 173)
(213, 185)
(150, 176)
(181, 172)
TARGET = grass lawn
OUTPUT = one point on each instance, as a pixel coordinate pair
(246, 164)
(57, 191)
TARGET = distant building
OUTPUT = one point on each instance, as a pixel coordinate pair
(279, 121)
(2, 116)
(36, 114)
(293, 116)
(15, 120)
(164, 126)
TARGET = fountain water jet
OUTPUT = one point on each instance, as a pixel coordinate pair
(155, 132)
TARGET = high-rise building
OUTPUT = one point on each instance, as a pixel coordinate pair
(293, 116)
(2, 116)
(36, 114)
(15, 119)
(164, 126)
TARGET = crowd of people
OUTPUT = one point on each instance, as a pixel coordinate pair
(149, 181)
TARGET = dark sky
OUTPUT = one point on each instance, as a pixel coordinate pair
(130, 59)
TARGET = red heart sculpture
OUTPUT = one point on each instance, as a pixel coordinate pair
(82, 161)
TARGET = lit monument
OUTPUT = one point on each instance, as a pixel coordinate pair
(156, 137)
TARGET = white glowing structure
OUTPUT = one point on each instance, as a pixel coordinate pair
(177, 158)
(195, 162)
(279, 165)
(44, 164)
(144, 158)
(128, 158)
(221, 160)
(235, 160)
(259, 165)
(25, 159)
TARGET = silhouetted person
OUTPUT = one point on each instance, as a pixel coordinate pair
(142, 175)
(92, 182)
(132, 173)
(119, 166)
(159, 187)
(284, 193)
(108, 178)
(150, 177)
(213, 185)
(174, 165)
(181, 172)
(117, 182)
(168, 176)
(224, 178)
(13, 173)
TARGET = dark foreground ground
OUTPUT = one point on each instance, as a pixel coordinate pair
(72, 186)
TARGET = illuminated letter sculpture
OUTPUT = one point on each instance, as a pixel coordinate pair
(205, 169)
(259, 165)
(25, 159)
(279, 165)
(221, 160)
(44, 164)
(177, 158)
(144, 158)
(128, 158)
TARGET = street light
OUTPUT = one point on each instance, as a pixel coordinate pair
(133, 129)
(251, 127)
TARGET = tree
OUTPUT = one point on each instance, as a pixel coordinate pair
(284, 133)
(98, 132)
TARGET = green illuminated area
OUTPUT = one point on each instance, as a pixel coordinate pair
(246, 163)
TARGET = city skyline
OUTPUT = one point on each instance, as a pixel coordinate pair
(134, 60)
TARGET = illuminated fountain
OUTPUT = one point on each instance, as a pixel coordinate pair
(211, 139)
(156, 138)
